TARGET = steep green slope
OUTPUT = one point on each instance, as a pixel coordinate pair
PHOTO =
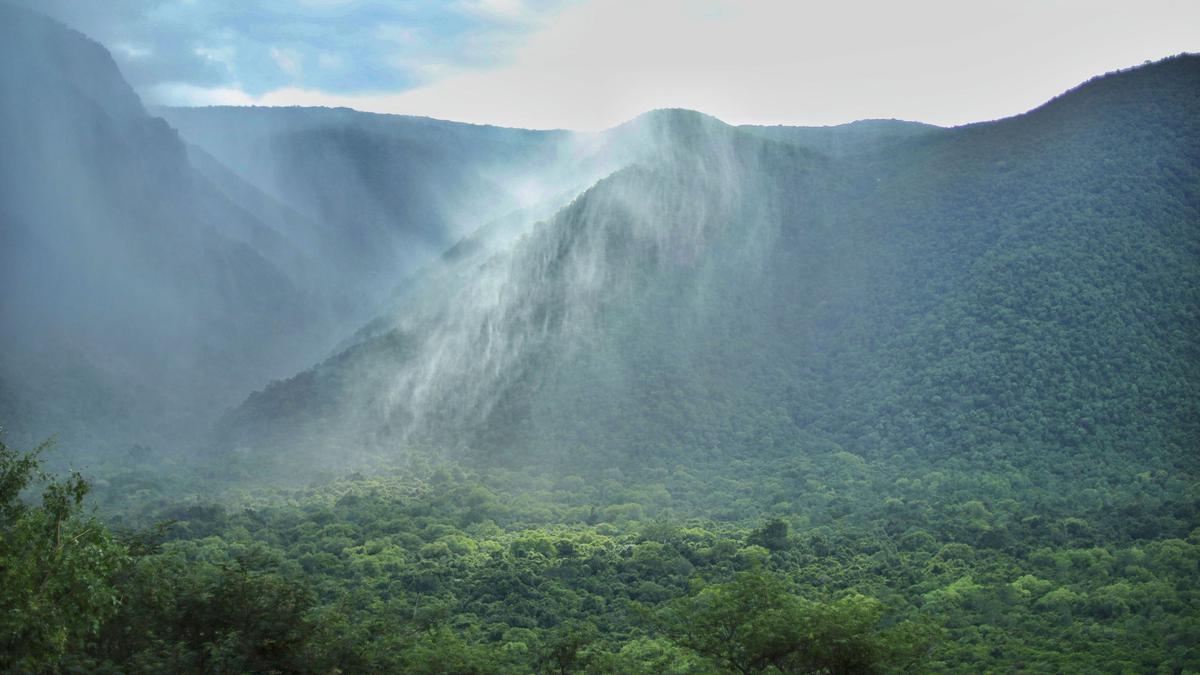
(477, 334)
(1017, 289)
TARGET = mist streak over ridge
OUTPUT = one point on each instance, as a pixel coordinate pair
(684, 198)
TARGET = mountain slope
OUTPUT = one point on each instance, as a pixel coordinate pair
(136, 298)
(1010, 290)
(381, 195)
(846, 140)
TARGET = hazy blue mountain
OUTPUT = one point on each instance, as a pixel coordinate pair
(136, 297)
(381, 194)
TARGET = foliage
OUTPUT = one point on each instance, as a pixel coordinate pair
(56, 566)
(751, 624)
(436, 566)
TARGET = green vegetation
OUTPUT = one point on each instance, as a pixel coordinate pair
(701, 569)
(963, 373)
(56, 567)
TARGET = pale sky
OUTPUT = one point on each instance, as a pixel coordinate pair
(591, 64)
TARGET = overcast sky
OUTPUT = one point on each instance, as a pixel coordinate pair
(590, 64)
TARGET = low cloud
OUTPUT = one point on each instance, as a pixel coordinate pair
(590, 64)
(289, 61)
(261, 46)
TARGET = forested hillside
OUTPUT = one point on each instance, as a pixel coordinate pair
(1015, 289)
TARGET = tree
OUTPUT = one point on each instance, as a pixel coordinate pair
(56, 566)
(773, 535)
(752, 624)
(564, 647)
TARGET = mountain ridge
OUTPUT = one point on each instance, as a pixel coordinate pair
(928, 155)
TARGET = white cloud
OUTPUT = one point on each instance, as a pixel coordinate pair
(941, 61)
(423, 70)
(505, 10)
(224, 55)
(182, 94)
(289, 61)
(132, 51)
(394, 32)
(330, 61)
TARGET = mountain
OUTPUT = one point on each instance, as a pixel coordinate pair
(149, 273)
(845, 140)
(380, 194)
(1012, 291)
(136, 298)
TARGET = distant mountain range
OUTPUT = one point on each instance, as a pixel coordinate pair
(149, 283)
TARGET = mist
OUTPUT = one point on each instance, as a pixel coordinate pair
(309, 222)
